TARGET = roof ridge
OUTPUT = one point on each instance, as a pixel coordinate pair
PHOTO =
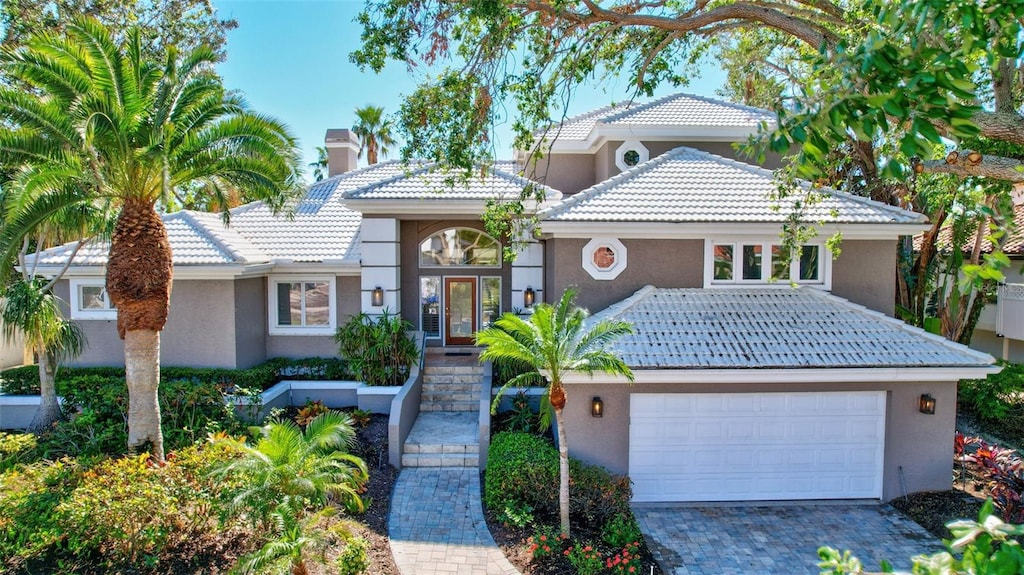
(557, 126)
(620, 307)
(516, 178)
(423, 166)
(200, 226)
(678, 95)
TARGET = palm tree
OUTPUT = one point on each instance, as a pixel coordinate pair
(105, 122)
(30, 308)
(293, 538)
(291, 469)
(320, 165)
(557, 339)
(374, 131)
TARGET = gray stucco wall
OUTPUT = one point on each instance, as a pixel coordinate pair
(663, 263)
(200, 330)
(865, 273)
(922, 445)
(415, 231)
(567, 173)
(250, 323)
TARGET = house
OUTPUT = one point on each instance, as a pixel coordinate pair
(747, 387)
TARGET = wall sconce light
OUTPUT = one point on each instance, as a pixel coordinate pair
(596, 407)
(927, 404)
(377, 298)
(528, 297)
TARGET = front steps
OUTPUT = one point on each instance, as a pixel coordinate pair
(446, 432)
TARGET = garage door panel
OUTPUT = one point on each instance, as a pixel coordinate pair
(763, 447)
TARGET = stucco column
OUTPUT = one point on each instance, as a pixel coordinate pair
(528, 272)
(381, 265)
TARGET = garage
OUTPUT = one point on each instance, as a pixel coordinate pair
(756, 446)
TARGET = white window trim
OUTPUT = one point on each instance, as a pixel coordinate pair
(272, 326)
(480, 298)
(75, 301)
(631, 145)
(604, 274)
(419, 252)
(824, 265)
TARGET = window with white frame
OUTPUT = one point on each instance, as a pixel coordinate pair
(759, 263)
(89, 300)
(302, 305)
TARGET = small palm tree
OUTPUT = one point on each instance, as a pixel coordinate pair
(30, 308)
(374, 131)
(291, 469)
(320, 165)
(292, 541)
(556, 340)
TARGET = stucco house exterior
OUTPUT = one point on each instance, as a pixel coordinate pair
(755, 380)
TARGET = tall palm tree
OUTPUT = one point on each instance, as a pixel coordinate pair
(29, 307)
(320, 165)
(556, 339)
(105, 122)
(374, 131)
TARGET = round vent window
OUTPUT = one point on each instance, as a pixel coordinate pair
(604, 257)
(631, 158)
(631, 153)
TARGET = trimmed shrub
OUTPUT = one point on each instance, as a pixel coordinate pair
(379, 351)
(29, 496)
(999, 398)
(522, 471)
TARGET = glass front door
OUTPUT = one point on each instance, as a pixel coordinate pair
(460, 310)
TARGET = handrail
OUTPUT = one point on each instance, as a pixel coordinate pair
(405, 407)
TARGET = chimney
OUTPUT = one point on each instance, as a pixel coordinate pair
(342, 151)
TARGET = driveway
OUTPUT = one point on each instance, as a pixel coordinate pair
(760, 538)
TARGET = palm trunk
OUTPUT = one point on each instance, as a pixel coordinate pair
(563, 474)
(139, 284)
(49, 409)
(142, 370)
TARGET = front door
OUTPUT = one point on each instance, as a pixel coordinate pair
(459, 310)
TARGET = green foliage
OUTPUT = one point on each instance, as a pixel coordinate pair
(546, 542)
(521, 418)
(999, 398)
(621, 531)
(626, 562)
(522, 472)
(379, 351)
(297, 470)
(293, 536)
(585, 559)
(504, 370)
(353, 560)
(30, 308)
(15, 448)
(375, 132)
(29, 497)
(987, 546)
(516, 514)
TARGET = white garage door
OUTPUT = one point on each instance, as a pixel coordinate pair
(756, 446)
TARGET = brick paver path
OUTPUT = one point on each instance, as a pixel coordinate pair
(778, 539)
(437, 525)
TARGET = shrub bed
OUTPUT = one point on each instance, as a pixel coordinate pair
(25, 380)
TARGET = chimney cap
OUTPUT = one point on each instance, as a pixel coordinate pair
(341, 137)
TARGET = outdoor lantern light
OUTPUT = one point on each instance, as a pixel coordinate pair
(596, 407)
(927, 404)
(528, 297)
(377, 299)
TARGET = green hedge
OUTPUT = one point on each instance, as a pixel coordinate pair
(25, 380)
(522, 471)
(997, 399)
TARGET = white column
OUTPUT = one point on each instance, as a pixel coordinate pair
(380, 264)
(528, 272)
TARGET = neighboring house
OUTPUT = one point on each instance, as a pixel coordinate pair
(13, 353)
(746, 387)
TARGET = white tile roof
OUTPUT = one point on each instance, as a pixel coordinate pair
(680, 110)
(772, 328)
(688, 185)
(426, 183)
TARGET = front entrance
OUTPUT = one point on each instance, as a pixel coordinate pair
(460, 310)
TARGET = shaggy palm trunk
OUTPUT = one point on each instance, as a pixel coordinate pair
(558, 404)
(139, 284)
(49, 410)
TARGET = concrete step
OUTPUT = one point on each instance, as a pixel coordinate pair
(450, 387)
(441, 448)
(449, 396)
(452, 370)
(440, 460)
(446, 378)
(450, 406)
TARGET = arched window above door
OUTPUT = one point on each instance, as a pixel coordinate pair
(460, 247)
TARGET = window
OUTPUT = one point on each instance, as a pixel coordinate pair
(89, 300)
(760, 263)
(302, 305)
(631, 153)
(430, 306)
(490, 300)
(604, 258)
(460, 247)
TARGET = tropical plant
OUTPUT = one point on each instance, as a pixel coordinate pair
(374, 131)
(104, 122)
(379, 351)
(30, 308)
(556, 340)
(293, 538)
(320, 165)
(293, 469)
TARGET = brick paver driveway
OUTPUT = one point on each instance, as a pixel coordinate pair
(760, 538)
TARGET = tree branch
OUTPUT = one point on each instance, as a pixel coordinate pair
(67, 264)
(962, 164)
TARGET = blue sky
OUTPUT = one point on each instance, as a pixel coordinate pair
(290, 58)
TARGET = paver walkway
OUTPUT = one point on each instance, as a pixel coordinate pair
(778, 539)
(437, 525)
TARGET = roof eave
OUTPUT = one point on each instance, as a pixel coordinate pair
(790, 375)
(702, 230)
